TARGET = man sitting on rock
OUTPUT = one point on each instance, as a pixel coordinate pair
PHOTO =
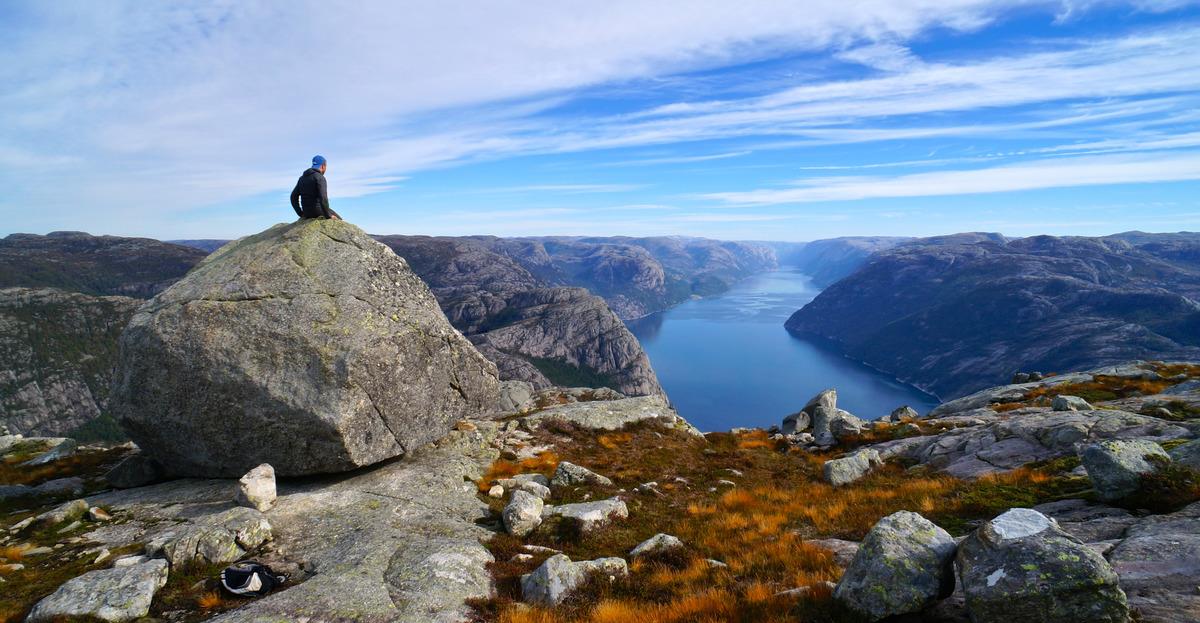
(310, 197)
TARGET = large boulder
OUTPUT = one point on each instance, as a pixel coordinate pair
(309, 346)
(1116, 466)
(1021, 566)
(905, 565)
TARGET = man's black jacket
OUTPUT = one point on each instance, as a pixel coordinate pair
(310, 197)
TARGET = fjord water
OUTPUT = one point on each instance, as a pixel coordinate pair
(727, 361)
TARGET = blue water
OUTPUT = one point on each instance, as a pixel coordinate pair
(727, 361)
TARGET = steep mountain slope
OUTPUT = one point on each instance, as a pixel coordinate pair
(534, 332)
(97, 265)
(958, 313)
(57, 352)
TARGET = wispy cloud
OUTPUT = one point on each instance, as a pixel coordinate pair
(1038, 174)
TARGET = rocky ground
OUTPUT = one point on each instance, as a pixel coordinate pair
(583, 505)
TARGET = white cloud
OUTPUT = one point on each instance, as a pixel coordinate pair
(1038, 174)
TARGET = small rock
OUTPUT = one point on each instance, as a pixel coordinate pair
(843, 551)
(904, 413)
(657, 543)
(536, 488)
(726, 483)
(539, 549)
(96, 513)
(523, 513)
(845, 424)
(126, 561)
(497, 491)
(1071, 403)
(1021, 566)
(101, 557)
(904, 565)
(570, 474)
(511, 483)
(256, 489)
(1116, 466)
(591, 515)
(71, 526)
(521, 558)
(716, 564)
(843, 471)
(116, 594)
(465, 426)
(68, 512)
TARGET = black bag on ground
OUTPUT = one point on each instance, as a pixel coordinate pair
(251, 579)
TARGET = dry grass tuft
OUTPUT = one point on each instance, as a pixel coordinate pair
(13, 553)
(543, 463)
(210, 600)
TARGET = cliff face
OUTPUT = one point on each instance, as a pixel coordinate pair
(534, 332)
(97, 265)
(57, 352)
(959, 313)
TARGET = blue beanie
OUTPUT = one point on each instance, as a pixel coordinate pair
(318, 161)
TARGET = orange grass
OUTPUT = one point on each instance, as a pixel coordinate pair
(543, 463)
(210, 600)
(13, 553)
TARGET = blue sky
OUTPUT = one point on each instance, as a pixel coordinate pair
(737, 120)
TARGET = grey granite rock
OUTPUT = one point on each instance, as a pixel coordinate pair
(368, 540)
(658, 543)
(904, 565)
(319, 351)
(1021, 566)
(122, 593)
(1187, 454)
(217, 539)
(843, 471)
(568, 474)
(552, 582)
(523, 514)
(1071, 403)
(590, 515)
(1117, 466)
(256, 489)
(612, 414)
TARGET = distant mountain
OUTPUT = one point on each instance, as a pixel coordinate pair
(637, 276)
(534, 331)
(96, 265)
(829, 260)
(958, 313)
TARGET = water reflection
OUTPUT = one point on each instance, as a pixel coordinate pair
(727, 361)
